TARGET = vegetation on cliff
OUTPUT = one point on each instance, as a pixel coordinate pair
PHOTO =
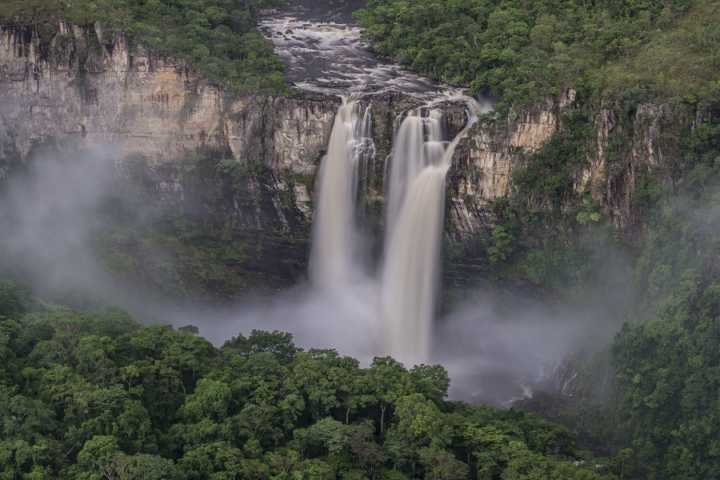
(218, 37)
(95, 395)
(524, 51)
(668, 363)
(665, 359)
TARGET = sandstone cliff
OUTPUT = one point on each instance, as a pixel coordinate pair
(84, 88)
(88, 87)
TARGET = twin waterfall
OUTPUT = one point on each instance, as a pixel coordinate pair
(414, 218)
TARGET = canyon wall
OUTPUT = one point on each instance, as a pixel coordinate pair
(89, 88)
(96, 92)
(243, 165)
(624, 148)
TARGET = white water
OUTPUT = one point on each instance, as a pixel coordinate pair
(332, 58)
(411, 154)
(410, 273)
(408, 279)
(335, 237)
(416, 215)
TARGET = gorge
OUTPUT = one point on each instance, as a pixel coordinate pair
(263, 195)
(359, 240)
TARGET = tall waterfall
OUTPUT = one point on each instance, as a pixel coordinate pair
(411, 154)
(416, 213)
(332, 260)
(411, 268)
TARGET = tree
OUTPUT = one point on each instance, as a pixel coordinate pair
(439, 464)
(211, 399)
(143, 467)
(96, 456)
(389, 382)
(279, 344)
(431, 380)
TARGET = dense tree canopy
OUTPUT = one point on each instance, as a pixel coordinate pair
(522, 51)
(669, 362)
(218, 37)
(96, 395)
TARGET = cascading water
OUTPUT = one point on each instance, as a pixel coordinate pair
(415, 223)
(332, 260)
(411, 154)
(411, 268)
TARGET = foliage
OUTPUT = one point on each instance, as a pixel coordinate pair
(218, 37)
(95, 395)
(523, 51)
(668, 360)
(678, 63)
(668, 372)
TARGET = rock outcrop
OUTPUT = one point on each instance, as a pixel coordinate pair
(80, 87)
(90, 88)
(484, 162)
(628, 146)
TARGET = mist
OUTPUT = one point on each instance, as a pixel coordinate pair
(48, 210)
(497, 346)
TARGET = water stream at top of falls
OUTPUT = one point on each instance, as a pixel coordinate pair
(326, 53)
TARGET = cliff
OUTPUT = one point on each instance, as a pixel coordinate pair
(85, 87)
(484, 162)
(626, 147)
(77, 86)
(241, 164)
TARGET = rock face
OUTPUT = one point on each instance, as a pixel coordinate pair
(627, 147)
(484, 162)
(83, 86)
(79, 86)
(241, 165)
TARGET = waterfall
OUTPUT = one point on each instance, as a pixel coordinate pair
(416, 214)
(411, 268)
(411, 153)
(332, 260)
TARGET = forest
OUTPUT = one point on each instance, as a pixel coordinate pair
(95, 395)
(218, 38)
(521, 51)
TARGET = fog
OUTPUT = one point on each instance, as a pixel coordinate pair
(497, 346)
(48, 210)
